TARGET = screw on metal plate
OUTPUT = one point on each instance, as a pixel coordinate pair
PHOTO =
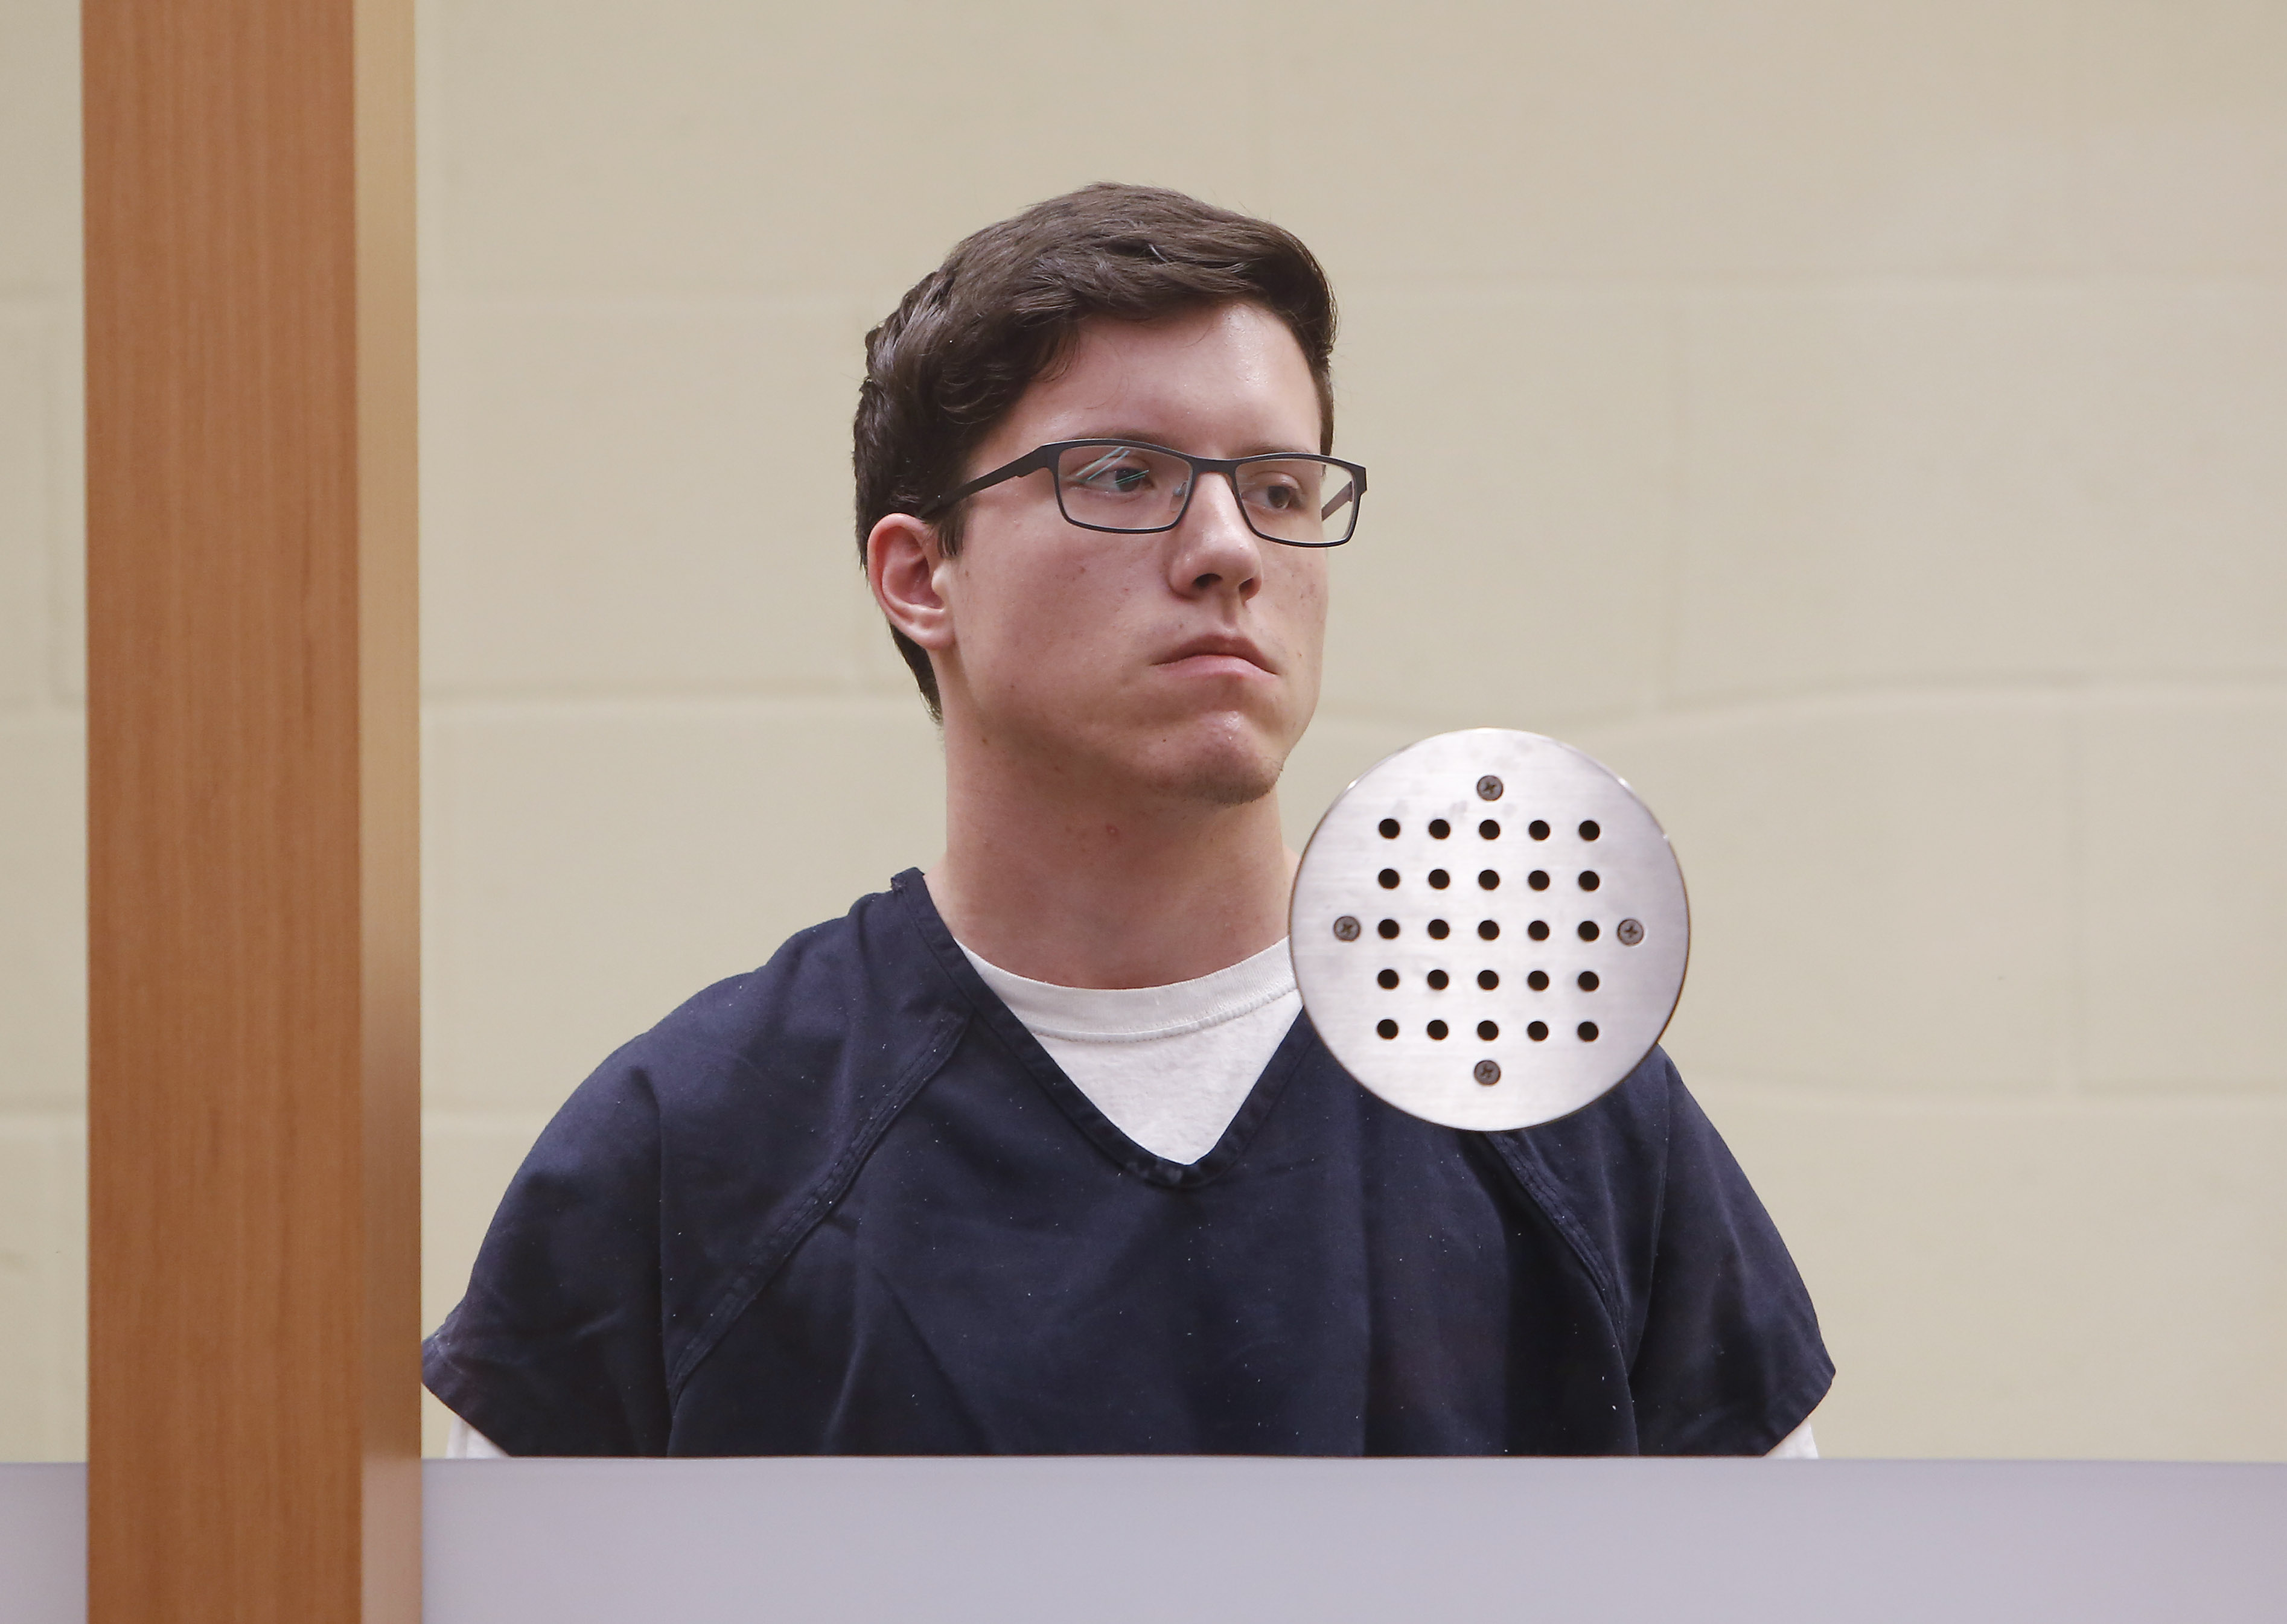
(1489, 788)
(1629, 931)
(1346, 929)
(1487, 1072)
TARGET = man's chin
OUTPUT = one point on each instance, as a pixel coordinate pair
(1208, 761)
(1226, 772)
(1235, 785)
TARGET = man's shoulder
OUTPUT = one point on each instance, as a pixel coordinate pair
(866, 986)
(768, 1073)
(1623, 1132)
(692, 1158)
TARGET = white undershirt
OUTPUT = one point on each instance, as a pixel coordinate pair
(1170, 1066)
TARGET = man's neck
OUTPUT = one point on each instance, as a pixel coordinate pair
(1096, 890)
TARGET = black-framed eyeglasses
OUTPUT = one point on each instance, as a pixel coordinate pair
(1134, 488)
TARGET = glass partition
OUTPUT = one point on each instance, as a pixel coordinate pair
(1885, 412)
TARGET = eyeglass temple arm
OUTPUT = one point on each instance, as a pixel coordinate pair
(1031, 462)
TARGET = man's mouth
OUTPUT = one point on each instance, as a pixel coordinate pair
(1222, 650)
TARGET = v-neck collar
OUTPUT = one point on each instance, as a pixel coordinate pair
(913, 890)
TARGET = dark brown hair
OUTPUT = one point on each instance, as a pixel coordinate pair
(963, 346)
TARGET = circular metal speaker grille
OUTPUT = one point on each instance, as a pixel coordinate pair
(1489, 929)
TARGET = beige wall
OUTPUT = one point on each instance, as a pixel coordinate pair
(1860, 425)
(42, 854)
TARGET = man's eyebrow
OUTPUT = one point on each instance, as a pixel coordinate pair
(1261, 448)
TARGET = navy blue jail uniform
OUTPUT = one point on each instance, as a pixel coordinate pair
(847, 1204)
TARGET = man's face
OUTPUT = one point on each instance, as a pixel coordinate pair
(1178, 666)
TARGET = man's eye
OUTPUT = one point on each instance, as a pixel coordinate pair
(1116, 478)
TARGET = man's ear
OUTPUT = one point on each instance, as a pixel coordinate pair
(902, 559)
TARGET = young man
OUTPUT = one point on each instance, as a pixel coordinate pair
(1036, 1153)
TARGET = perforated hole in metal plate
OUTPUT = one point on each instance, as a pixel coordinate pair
(1490, 929)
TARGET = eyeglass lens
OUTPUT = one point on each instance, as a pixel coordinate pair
(1302, 501)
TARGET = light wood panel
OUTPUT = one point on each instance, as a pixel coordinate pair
(253, 1111)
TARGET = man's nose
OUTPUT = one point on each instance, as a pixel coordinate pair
(1214, 551)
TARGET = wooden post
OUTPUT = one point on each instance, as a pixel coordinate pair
(252, 721)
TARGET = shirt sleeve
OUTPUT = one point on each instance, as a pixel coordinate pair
(1730, 1361)
(557, 1347)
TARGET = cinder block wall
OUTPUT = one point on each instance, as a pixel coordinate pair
(1860, 426)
